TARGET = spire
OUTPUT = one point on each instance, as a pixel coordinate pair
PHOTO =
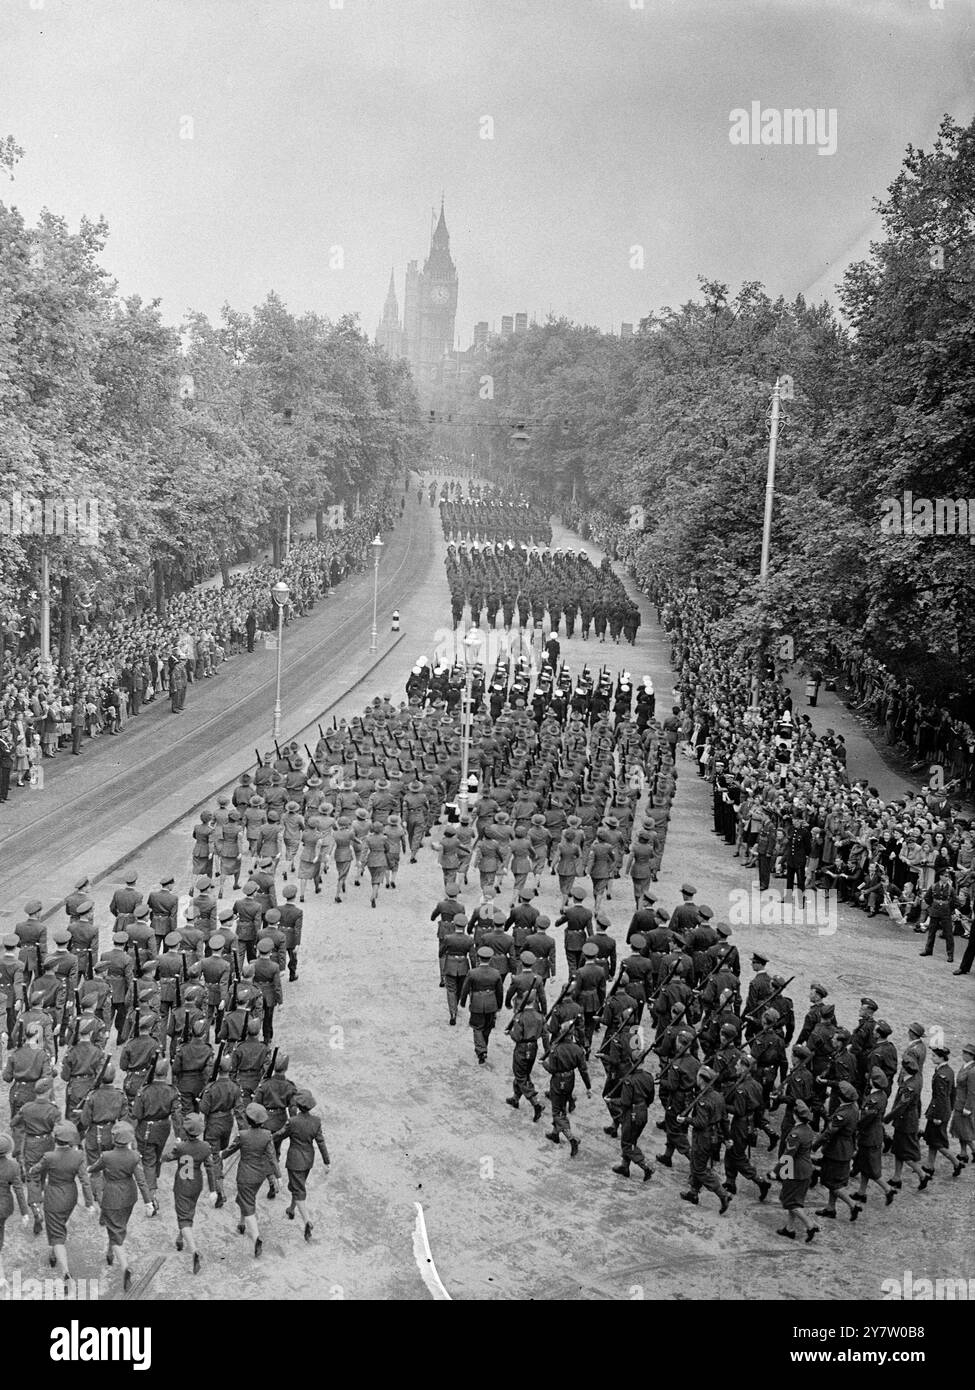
(441, 237)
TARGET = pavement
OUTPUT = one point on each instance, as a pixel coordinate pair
(411, 1119)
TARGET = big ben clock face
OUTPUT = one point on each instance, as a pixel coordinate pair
(440, 296)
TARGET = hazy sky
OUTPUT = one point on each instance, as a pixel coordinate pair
(323, 123)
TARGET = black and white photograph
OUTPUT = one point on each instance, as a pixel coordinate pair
(487, 671)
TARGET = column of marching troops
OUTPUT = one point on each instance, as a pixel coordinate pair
(559, 585)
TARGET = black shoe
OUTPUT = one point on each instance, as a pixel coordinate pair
(308, 1230)
(789, 1235)
(764, 1188)
(573, 1146)
(647, 1174)
(726, 1197)
(858, 1197)
(611, 1130)
(895, 1183)
(512, 1101)
(109, 1256)
(126, 1281)
(555, 1138)
(959, 972)
(221, 1201)
(196, 1261)
(825, 1211)
(691, 1197)
(258, 1247)
(623, 1169)
(922, 1184)
(666, 1160)
(537, 1112)
(179, 1244)
(452, 1022)
(481, 1061)
(813, 1231)
(51, 1259)
(855, 1213)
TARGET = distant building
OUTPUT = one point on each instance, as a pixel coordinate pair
(426, 335)
(626, 330)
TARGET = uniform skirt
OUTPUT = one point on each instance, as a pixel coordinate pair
(116, 1222)
(936, 1136)
(793, 1194)
(835, 1173)
(202, 865)
(57, 1213)
(962, 1127)
(247, 1191)
(869, 1162)
(229, 866)
(298, 1183)
(906, 1146)
(185, 1197)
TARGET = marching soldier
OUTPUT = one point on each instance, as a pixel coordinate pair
(707, 1120)
(565, 1058)
(636, 1095)
(155, 1112)
(482, 985)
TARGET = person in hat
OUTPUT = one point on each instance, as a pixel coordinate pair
(228, 851)
(483, 987)
(25, 1066)
(303, 1131)
(905, 1118)
(59, 1173)
(397, 845)
(938, 1116)
(32, 937)
(124, 902)
(203, 835)
(916, 1047)
(258, 1161)
(685, 915)
(569, 859)
(346, 846)
(868, 1161)
(33, 1129)
(164, 910)
(588, 989)
(565, 1058)
(795, 1169)
(123, 1180)
(636, 1095)
(192, 1155)
(707, 1120)
(103, 1106)
(80, 890)
(312, 857)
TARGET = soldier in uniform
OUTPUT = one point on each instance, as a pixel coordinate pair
(707, 1120)
(483, 986)
(838, 1143)
(636, 1095)
(218, 1105)
(565, 1058)
(868, 1160)
(164, 911)
(103, 1106)
(292, 920)
(191, 1066)
(155, 1111)
(526, 1028)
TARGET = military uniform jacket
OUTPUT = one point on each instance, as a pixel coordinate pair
(637, 1091)
(482, 986)
(589, 987)
(839, 1137)
(457, 950)
(267, 977)
(164, 909)
(119, 974)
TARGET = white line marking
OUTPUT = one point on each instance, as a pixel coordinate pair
(424, 1259)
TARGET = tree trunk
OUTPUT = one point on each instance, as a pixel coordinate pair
(320, 523)
(276, 546)
(159, 584)
(225, 571)
(66, 620)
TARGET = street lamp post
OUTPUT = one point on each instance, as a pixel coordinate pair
(377, 546)
(279, 593)
(472, 645)
(767, 530)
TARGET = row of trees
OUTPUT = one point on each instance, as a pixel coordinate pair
(675, 421)
(194, 442)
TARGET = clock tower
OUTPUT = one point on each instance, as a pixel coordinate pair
(436, 309)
